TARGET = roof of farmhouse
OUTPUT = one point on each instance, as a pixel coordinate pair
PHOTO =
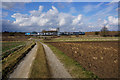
(51, 30)
(47, 31)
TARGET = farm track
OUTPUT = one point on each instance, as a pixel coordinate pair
(57, 69)
(23, 69)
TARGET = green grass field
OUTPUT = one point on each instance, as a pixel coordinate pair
(9, 45)
(66, 39)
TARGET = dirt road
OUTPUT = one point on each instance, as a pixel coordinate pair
(23, 69)
(56, 67)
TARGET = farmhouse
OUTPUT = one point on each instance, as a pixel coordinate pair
(48, 33)
(53, 32)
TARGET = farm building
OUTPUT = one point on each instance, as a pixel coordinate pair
(48, 33)
(31, 33)
(52, 32)
(55, 32)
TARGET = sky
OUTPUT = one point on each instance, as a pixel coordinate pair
(68, 16)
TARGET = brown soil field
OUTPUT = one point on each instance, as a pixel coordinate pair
(110, 33)
(15, 38)
(99, 57)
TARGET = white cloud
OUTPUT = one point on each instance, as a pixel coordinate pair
(42, 22)
(40, 8)
(62, 22)
(91, 26)
(52, 11)
(112, 20)
(111, 23)
(107, 26)
(105, 21)
(73, 28)
(77, 20)
(37, 12)
(51, 18)
(39, 20)
(21, 19)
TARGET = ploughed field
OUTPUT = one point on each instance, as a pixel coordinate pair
(100, 57)
(15, 38)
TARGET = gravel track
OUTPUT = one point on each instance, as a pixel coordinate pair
(23, 69)
(57, 69)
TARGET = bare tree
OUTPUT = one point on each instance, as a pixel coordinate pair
(104, 31)
(96, 33)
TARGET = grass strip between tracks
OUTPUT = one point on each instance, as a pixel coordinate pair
(40, 67)
(73, 67)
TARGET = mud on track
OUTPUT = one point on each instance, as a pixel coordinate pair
(100, 57)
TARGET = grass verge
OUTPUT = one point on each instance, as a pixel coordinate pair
(40, 67)
(73, 67)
